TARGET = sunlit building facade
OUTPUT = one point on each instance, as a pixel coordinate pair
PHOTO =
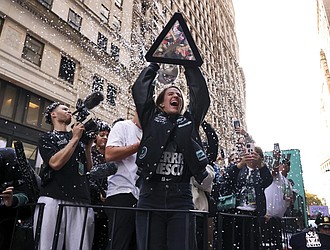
(56, 50)
(324, 38)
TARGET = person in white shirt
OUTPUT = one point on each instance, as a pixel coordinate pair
(121, 148)
(279, 197)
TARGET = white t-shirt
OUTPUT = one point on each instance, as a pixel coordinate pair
(124, 133)
(278, 196)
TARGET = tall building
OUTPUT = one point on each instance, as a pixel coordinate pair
(56, 50)
(323, 10)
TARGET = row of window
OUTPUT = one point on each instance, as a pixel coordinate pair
(75, 19)
(49, 3)
(33, 50)
(24, 107)
(21, 106)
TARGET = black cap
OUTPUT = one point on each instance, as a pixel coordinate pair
(323, 221)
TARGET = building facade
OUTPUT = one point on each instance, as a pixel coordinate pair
(323, 11)
(62, 50)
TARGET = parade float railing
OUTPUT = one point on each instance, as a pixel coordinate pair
(273, 236)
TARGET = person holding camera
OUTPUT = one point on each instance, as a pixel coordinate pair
(64, 181)
(170, 153)
(247, 180)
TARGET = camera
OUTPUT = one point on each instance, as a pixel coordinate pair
(82, 112)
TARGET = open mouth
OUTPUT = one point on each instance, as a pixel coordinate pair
(174, 103)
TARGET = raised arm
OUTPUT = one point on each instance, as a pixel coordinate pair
(143, 89)
(212, 142)
(198, 92)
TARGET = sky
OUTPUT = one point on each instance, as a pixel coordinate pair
(279, 54)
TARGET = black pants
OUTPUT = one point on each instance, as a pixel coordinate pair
(166, 230)
(123, 229)
(101, 230)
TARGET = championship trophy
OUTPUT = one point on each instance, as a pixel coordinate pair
(175, 45)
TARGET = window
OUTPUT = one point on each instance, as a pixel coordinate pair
(22, 106)
(114, 52)
(144, 8)
(116, 24)
(67, 69)
(9, 101)
(47, 3)
(33, 50)
(104, 14)
(74, 20)
(33, 110)
(2, 20)
(102, 42)
(97, 83)
(119, 3)
(111, 95)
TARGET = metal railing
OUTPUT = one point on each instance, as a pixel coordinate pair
(189, 214)
(275, 234)
(250, 232)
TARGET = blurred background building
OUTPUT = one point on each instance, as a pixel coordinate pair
(323, 11)
(62, 50)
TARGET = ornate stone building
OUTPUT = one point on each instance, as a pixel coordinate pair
(56, 50)
(323, 11)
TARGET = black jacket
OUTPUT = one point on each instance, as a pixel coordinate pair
(158, 127)
(234, 179)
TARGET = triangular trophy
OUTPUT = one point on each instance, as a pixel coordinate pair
(175, 45)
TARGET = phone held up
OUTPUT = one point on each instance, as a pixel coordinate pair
(277, 147)
(237, 124)
(249, 147)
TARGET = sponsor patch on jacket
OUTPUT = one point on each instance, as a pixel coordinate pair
(200, 155)
(143, 153)
(160, 119)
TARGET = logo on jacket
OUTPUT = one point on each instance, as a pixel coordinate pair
(143, 152)
(312, 239)
(64, 141)
(160, 119)
(200, 155)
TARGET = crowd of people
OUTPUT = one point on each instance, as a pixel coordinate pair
(158, 160)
